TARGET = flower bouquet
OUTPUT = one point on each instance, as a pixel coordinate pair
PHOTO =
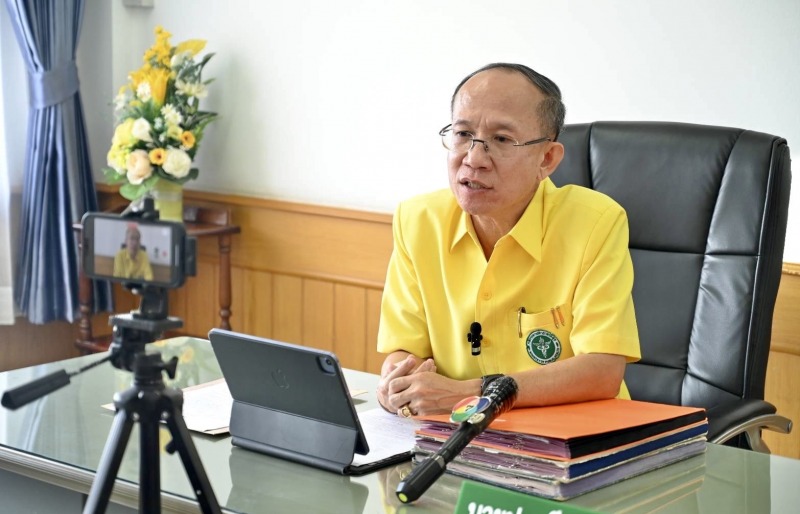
(159, 121)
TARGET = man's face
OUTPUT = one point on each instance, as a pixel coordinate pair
(491, 189)
(132, 242)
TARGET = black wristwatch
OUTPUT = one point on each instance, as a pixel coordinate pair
(488, 379)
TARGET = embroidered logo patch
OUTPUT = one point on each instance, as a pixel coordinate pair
(543, 346)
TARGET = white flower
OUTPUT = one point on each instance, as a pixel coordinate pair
(139, 167)
(120, 101)
(197, 89)
(143, 91)
(174, 132)
(158, 123)
(171, 115)
(141, 130)
(178, 60)
(177, 163)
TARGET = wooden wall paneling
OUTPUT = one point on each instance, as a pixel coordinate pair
(287, 309)
(313, 245)
(124, 302)
(374, 359)
(349, 330)
(786, 318)
(238, 276)
(783, 392)
(782, 388)
(177, 302)
(202, 307)
(317, 321)
(25, 344)
(255, 307)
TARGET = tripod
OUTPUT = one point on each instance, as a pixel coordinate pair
(147, 402)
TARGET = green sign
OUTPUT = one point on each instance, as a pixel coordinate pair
(477, 498)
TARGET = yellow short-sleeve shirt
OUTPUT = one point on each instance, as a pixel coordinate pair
(559, 284)
(134, 268)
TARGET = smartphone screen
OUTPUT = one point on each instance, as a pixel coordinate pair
(133, 250)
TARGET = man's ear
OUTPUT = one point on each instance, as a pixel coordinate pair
(551, 159)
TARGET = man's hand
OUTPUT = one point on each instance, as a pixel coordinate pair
(407, 381)
(396, 365)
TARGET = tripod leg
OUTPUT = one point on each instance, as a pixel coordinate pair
(109, 463)
(149, 465)
(182, 442)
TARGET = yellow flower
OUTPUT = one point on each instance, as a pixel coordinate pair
(193, 46)
(158, 85)
(157, 79)
(123, 134)
(158, 156)
(117, 158)
(187, 139)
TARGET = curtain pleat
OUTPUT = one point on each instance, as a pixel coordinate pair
(58, 187)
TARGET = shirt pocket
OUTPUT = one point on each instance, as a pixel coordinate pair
(557, 318)
(545, 334)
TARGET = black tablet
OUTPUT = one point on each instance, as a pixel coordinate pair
(292, 402)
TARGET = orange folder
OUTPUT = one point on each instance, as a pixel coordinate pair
(588, 427)
(574, 420)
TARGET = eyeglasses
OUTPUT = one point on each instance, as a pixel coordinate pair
(500, 146)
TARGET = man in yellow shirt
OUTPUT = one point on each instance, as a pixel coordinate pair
(131, 262)
(539, 276)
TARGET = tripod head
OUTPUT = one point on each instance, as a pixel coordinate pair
(133, 331)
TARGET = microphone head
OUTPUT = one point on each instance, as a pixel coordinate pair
(474, 337)
(502, 394)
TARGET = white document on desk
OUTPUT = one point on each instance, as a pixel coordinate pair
(207, 409)
(388, 435)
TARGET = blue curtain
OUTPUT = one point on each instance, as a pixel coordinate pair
(58, 187)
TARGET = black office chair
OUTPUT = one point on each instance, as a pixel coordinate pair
(707, 208)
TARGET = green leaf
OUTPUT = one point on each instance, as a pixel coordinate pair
(133, 192)
(205, 60)
(163, 175)
(113, 176)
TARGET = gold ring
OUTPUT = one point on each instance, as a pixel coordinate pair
(405, 411)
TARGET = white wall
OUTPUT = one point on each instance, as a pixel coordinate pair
(339, 103)
(13, 121)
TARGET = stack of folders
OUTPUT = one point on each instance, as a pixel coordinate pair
(563, 451)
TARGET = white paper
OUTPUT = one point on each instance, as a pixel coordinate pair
(387, 435)
(207, 407)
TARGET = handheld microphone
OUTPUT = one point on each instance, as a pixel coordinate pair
(474, 337)
(499, 397)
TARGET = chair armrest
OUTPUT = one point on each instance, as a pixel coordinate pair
(748, 417)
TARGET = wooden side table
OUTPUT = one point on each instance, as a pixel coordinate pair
(200, 221)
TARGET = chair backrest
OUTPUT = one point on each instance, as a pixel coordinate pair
(707, 208)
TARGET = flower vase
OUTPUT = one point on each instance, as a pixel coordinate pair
(168, 198)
